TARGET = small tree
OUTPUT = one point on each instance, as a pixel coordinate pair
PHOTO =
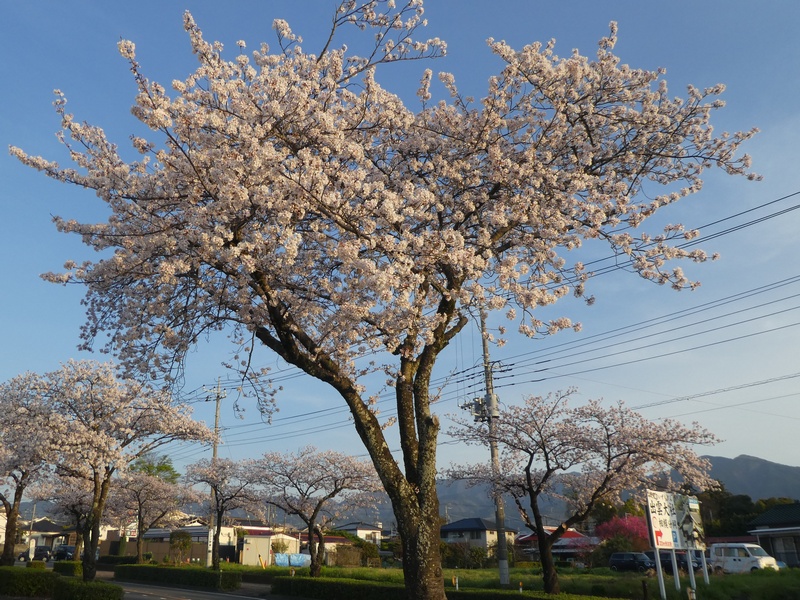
(583, 455)
(231, 484)
(180, 544)
(315, 486)
(103, 425)
(24, 458)
(151, 493)
(71, 498)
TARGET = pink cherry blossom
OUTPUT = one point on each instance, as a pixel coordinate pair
(287, 197)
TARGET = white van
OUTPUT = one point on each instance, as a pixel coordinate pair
(739, 558)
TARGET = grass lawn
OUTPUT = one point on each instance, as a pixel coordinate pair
(761, 585)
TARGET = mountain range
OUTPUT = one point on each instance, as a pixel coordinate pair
(754, 477)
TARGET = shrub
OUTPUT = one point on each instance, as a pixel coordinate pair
(26, 582)
(109, 559)
(69, 568)
(76, 589)
(347, 556)
(180, 543)
(36, 564)
(198, 577)
(346, 589)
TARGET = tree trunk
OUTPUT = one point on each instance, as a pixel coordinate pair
(317, 551)
(12, 518)
(549, 573)
(419, 536)
(90, 541)
(215, 544)
(140, 541)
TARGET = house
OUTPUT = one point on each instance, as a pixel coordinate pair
(477, 532)
(157, 542)
(365, 531)
(777, 530)
(46, 532)
(256, 549)
(573, 544)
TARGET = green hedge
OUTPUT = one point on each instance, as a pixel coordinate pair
(27, 582)
(197, 577)
(36, 564)
(110, 559)
(69, 568)
(76, 589)
(356, 589)
(337, 589)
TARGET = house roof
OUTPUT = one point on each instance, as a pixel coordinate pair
(360, 525)
(46, 525)
(473, 524)
(526, 538)
(780, 515)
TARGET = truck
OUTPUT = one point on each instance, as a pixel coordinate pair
(739, 558)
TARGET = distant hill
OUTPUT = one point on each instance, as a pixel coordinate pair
(756, 477)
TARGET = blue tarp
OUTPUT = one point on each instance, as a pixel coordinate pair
(292, 560)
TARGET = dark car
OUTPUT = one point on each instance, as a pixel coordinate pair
(39, 553)
(685, 557)
(64, 552)
(681, 557)
(630, 561)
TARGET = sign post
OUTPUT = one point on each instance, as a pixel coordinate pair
(675, 524)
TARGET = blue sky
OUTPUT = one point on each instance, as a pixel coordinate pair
(725, 355)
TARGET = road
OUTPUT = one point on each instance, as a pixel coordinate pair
(137, 591)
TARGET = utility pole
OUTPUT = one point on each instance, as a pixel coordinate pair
(486, 409)
(218, 396)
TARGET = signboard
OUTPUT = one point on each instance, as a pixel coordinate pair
(690, 524)
(674, 520)
(663, 520)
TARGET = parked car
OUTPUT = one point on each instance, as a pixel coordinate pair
(681, 557)
(739, 558)
(630, 561)
(64, 552)
(96, 554)
(39, 553)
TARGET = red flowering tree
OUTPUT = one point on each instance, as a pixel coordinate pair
(631, 529)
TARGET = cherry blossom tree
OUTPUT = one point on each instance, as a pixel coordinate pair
(584, 455)
(24, 455)
(232, 487)
(288, 199)
(104, 424)
(71, 498)
(316, 486)
(150, 492)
